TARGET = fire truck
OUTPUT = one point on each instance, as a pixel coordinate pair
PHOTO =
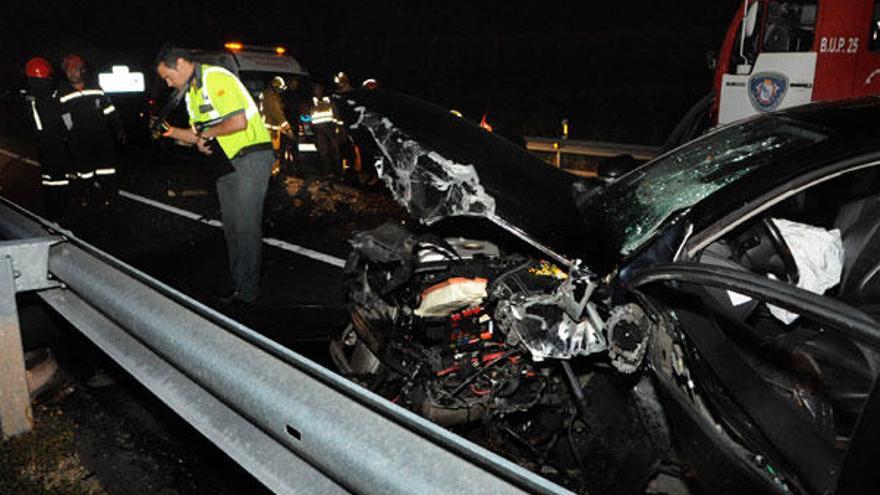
(782, 53)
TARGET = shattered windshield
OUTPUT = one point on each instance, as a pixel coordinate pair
(635, 206)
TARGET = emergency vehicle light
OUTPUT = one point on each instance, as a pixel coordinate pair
(120, 80)
(237, 46)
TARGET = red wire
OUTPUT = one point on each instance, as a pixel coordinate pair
(478, 391)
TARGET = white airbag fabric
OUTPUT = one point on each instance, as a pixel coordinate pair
(818, 254)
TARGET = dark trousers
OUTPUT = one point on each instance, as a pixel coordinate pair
(242, 194)
(55, 199)
(327, 142)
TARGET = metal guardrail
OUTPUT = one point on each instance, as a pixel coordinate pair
(592, 148)
(295, 426)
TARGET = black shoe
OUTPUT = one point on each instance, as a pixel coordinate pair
(233, 301)
(239, 305)
(229, 298)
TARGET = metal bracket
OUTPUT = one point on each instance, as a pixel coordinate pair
(24, 266)
(30, 262)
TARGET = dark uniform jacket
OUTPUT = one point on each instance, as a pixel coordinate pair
(51, 136)
(93, 125)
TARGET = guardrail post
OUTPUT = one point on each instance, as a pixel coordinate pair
(557, 160)
(15, 402)
(24, 265)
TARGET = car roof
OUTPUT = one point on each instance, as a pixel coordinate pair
(845, 117)
(268, 62)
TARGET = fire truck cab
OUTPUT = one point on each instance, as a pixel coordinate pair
(783, 53)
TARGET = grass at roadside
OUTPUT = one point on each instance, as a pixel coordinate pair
(44, 460)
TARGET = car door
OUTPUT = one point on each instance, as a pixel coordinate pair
(740, 390)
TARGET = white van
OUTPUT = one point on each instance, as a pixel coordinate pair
(255, 66)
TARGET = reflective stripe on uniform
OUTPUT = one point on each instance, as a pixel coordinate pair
(206, 98)
(58, 182)
(36, 116)
(105, 171)
(322, 111)
(77, 94)
(109, 110)
(322, 117)
(85, 175)
(48, 180)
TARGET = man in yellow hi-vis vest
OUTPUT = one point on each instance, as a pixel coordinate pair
(221, 108)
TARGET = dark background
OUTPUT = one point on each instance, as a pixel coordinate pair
(622, 70)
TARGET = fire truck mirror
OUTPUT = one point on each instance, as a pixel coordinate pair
(711, 60)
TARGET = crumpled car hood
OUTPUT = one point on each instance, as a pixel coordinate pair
(439, 165)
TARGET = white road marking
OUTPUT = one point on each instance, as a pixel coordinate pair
(315, 255)
(293, 248)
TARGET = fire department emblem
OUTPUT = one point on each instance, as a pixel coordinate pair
(766, 90)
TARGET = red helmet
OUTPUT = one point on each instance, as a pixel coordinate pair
(38, 67)
(72, 60)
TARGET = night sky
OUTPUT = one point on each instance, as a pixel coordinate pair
(622, 71)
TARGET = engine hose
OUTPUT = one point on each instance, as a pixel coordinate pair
(482, 370)
(580, 400)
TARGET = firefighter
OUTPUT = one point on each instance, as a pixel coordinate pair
(220, 108)
(274, 116)
(326, 129)
(50, 136)
(351, 164)
(296, 98)
(93, 129)
(343, 84)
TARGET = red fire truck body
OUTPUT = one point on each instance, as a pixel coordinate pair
(783, 53)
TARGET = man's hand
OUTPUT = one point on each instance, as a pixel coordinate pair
(203, 146)
(159, 128)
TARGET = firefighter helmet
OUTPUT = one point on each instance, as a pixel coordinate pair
(38, 67)
(72, 61)
(370, 83)
(278, 83)
(340, 78)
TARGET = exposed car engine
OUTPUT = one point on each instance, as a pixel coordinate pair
(472, 338)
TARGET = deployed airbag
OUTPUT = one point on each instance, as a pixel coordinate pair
(818, 254)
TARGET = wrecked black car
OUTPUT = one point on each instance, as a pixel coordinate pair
(703, 324)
